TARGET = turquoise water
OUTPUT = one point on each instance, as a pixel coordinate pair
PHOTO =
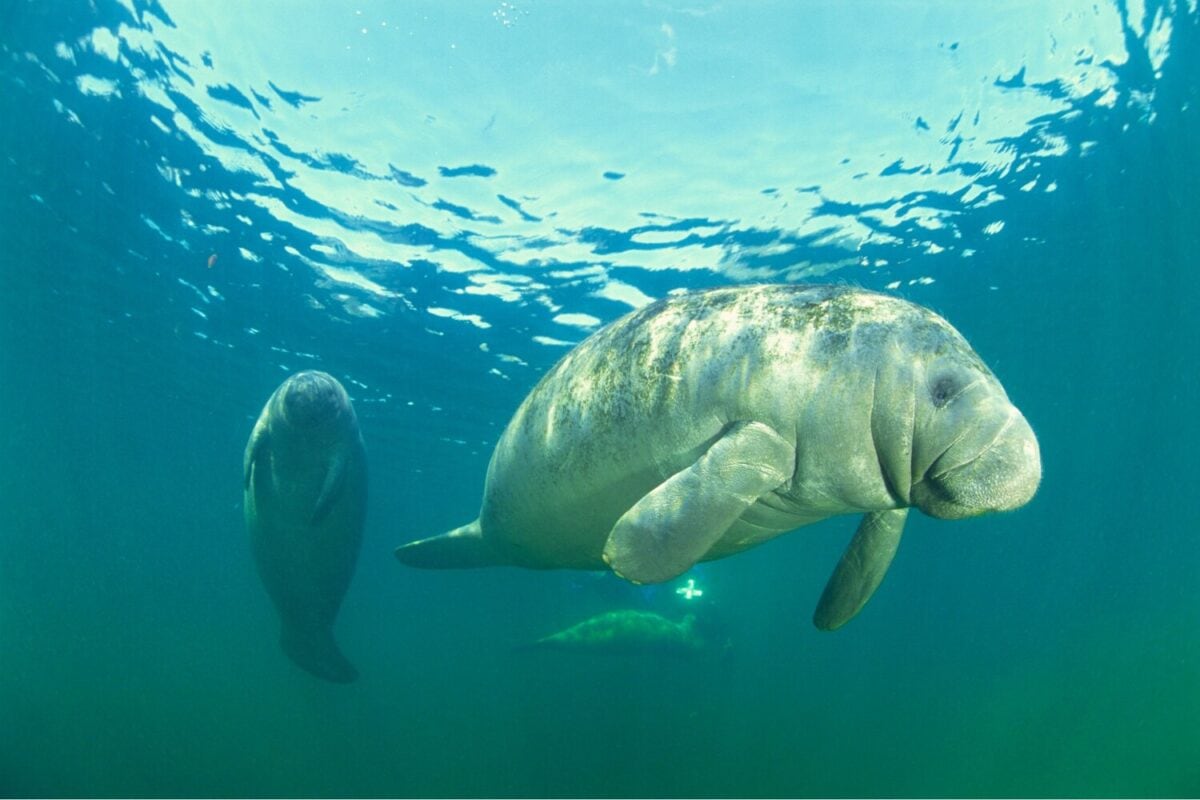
(433, 202)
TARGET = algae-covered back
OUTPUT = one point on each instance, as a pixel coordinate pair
(628, 631)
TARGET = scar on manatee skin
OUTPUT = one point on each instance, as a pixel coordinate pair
(212, 260)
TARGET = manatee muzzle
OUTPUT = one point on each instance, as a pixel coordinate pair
(1002, 475)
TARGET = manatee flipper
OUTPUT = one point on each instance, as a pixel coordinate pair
(672, 527)
(335, 475)
(313, 649)
(254, 450)
(861, 569)
(460, 548)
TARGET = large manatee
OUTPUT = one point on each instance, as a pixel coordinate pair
(305, 476)
(705, 424)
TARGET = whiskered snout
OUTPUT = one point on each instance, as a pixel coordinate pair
(973, 478)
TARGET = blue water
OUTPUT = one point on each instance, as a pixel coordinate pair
(433, 202)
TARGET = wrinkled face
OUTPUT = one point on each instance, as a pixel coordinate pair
(973, 452)
(310, 399)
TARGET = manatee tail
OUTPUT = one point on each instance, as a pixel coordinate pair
(552, 644)
(460, 548)
(528, 647)
(315, 651)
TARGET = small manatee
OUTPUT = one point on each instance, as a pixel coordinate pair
(629, 631)
(305, 499)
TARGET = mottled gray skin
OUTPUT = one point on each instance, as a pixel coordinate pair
(705, 424)
(630, 632)
(305, 499)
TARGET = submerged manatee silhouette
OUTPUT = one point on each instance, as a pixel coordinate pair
(305, 498)
(629, 631)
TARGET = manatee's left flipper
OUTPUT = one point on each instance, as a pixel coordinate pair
(673, 526)
(335, 477)
(861, 569)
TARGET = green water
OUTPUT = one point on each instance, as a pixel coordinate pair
(1053, 651)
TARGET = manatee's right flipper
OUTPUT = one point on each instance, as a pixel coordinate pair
(672, 527)
(460, 548)
(861, 569)
(254, 449)
(315, 651)
(331, 487)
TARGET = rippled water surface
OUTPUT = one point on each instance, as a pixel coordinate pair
(434, 202)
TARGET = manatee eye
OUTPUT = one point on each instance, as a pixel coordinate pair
(943, 390)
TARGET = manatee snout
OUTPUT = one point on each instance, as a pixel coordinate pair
(977, 475)
(311, 398)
